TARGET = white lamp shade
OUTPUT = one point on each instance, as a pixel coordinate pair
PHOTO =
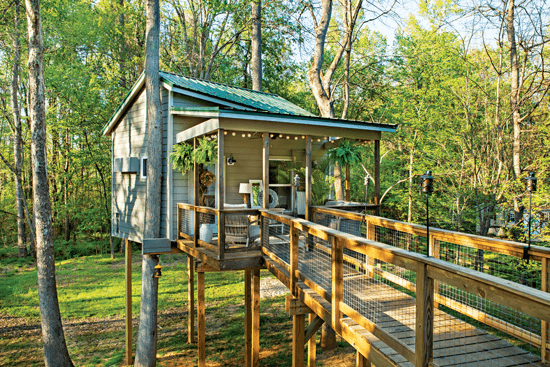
(245, 188)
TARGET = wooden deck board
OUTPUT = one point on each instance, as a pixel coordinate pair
(456, 343)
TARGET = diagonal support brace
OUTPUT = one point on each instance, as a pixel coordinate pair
(313, 327)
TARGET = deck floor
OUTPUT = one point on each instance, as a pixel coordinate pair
(456, 342)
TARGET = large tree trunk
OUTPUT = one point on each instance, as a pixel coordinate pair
(146, 350)
(256, 59)
(514, 101)
(17, 141)
(53, 337)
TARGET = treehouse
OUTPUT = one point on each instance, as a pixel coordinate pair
(238, 195)
(263, 141)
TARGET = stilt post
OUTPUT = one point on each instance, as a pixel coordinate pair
(201, 319)
(128, 306)
(190, 300)
(248, 318)
(256, 317)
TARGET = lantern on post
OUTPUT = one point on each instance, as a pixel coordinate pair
(296, 184)
(157, 273)
(531, 187)
(427, 188)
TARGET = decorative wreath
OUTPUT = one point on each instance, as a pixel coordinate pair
(207, 178)
(273, 198)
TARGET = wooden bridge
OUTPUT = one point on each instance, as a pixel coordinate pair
(474, 302)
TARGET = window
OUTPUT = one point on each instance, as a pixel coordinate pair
(280, 181)
(143, 167)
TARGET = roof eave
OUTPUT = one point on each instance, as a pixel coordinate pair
(113, 121)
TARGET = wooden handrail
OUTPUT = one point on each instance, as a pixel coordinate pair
(516, 296)
(504, 247)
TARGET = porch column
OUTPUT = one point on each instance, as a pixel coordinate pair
(220, 194)
(308, 178)
(377, 175)
(196, 199)
(265, 171)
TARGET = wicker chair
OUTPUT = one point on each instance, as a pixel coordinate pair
(239, 229)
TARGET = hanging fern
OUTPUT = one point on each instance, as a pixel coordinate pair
(345, 154)
(183, 155)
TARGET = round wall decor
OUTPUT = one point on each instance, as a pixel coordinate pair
(273, 198)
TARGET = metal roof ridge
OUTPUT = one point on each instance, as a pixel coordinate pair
(220, 84)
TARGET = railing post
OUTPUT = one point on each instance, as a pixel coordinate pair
(371, 231)
(545, 335)
(294, 249)
(424, 317)
(196, 229)
(337, 282)
(221, 234)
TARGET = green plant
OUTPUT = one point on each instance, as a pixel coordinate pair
(345, 154)
(183, 156)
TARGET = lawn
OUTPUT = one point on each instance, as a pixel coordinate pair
(91, 298)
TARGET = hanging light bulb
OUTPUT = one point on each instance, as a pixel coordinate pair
(233, 133)
(303, 136)
(280, 135)
(287, 137)
(249, 135)
(270, 135)
(318, 140)
(244, 135)
(295, 138)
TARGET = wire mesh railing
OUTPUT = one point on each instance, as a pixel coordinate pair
(502, 259)
(393, 292)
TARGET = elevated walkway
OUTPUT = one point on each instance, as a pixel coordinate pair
(379, 292)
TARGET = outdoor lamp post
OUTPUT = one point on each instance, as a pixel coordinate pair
(366, 183)
(427, 188)
(530, 186)
(296, 184)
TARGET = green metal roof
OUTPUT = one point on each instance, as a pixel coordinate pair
(257, 100)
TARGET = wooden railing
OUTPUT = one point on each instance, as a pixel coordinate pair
(189, 215)
(518, 297)
(536, 254)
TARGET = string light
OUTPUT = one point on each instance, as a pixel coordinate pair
(295, 138)
(287, 137)
(270, 135)
(249, 135)
(225, 133)
(233, 133)
(318, 140)
(244, 135)
(280, 135)
(303, 136)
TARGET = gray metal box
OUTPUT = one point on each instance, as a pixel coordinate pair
(156, 245)
(126, 165)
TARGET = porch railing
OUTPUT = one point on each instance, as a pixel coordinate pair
(497, 257)
(393, 293)
(234, 228)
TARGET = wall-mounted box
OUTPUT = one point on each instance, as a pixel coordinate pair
(126, 165)
(156, 245)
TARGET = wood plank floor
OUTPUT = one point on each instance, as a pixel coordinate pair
(456, 343)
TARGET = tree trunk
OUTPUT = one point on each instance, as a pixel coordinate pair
(256, 59)
(55, 348)
(146, 349)
(338, 192)
(17, 143)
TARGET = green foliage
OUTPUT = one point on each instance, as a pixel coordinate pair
(183, 156)
(347, 153)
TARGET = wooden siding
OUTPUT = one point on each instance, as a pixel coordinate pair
(129, 190)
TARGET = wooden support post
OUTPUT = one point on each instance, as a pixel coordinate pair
(308, 177)
(201, 319)
(298, 336)
(256, 317)
(545, 332)
(371, 231)
(190, 300)
(361, 361)
(312, 345)
(220, 194)
(377, 175)
(196, 199)
(128, 297)
(348, 183)
(294, 250)
(337, 283)
(424, 317)
(265, 171)
(247, 318)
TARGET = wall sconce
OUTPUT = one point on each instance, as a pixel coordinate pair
(231, 161)
(157, 273)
